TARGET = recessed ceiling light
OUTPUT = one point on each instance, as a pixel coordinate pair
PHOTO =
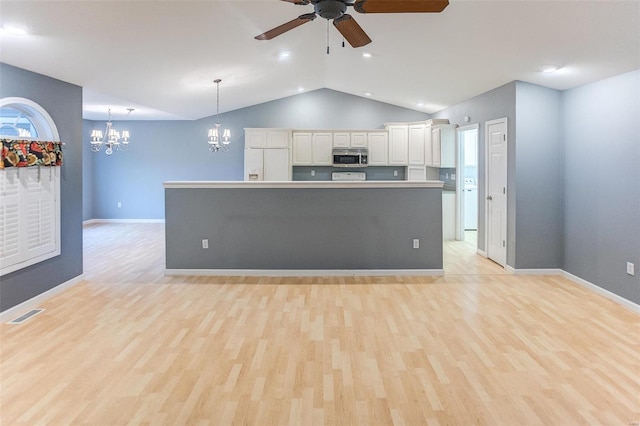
(367, 93)
(284, 55)
(366, 55)
(15, 29)
(420, 104)
(300, 89)
(549, 68)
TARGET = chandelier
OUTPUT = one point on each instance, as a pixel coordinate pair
(216, 141)
(112, 139)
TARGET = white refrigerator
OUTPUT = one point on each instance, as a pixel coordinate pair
(269, 164)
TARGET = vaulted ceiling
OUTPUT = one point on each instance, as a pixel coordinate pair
(161, 57)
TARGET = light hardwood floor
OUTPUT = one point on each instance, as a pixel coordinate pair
(475, 347)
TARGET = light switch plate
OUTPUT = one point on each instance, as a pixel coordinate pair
(631, 268)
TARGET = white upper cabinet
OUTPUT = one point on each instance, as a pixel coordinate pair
(301, 152)
(378, 148)
(428, 147)
(312, 148)
(398, 144)
(443, 139)
(341, 140)
(359, 140)
(350, 140)
(267, 138)
(321, 146)
(416, 145)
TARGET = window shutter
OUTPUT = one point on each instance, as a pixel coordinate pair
(39, 212)
(9, 217)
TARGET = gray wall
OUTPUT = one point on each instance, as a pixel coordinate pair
(602, 183)
(63, 101)
(497, 103)
(87, 172)
(304, 228)
(177, 150)
(539, 175)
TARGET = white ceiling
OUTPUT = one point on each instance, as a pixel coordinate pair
(161, 57)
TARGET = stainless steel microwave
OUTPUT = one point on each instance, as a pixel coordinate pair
(352, 157)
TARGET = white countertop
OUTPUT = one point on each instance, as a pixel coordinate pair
(306, 184)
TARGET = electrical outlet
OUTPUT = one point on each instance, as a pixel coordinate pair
(416, 243)
(631, 268)
(395, 173)
(453, 176)
(313, 172)
(119, 205)
(205, 243)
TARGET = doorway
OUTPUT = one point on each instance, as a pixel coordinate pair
(467, 183)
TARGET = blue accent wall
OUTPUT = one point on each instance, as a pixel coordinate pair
(63, 102)
(601, 135)
(539, 172)
(177, 150)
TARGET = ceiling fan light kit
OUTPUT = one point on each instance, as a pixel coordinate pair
(347, 26)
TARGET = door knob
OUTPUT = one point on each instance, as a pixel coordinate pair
(489, 198)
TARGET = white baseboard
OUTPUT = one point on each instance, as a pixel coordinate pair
(90, 221)
(27, 305)
(555, 271)
(483, 253)
(510, 269)
(601, 291)
(305, 272)
(581, 282)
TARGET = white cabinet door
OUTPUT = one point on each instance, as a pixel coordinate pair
(322, 144)
(278, 138)
(428, 147)
(253, 164)
(255, 138)
(416, 145)
(435, 146)
(397, 145)
(341, 140)
(416, 173)
(378, 148)
(359, 140)
(276, 164)
(302, 154)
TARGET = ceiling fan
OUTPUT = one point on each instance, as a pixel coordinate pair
(348, 27)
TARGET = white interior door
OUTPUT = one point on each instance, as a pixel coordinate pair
(496, 190)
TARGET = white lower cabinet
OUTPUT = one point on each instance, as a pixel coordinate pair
(378, 148)
(448, 216)
(416, 173)
(267, 164)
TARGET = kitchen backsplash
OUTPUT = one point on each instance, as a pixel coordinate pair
(324, 173)
(448, 176)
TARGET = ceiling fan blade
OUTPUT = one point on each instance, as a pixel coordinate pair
(400, 6)
(275, 32)
(351, 31)
(301, 2)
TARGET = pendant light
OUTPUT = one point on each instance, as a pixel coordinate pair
(218, 141)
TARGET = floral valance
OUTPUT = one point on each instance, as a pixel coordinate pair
(24, 153)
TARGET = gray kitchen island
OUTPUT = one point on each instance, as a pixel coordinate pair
(303, 228)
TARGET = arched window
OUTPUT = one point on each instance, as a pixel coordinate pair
(29, 196)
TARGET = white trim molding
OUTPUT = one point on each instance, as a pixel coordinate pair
(27, 305)
(91, 221)
(305, 272)
(581, 282)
